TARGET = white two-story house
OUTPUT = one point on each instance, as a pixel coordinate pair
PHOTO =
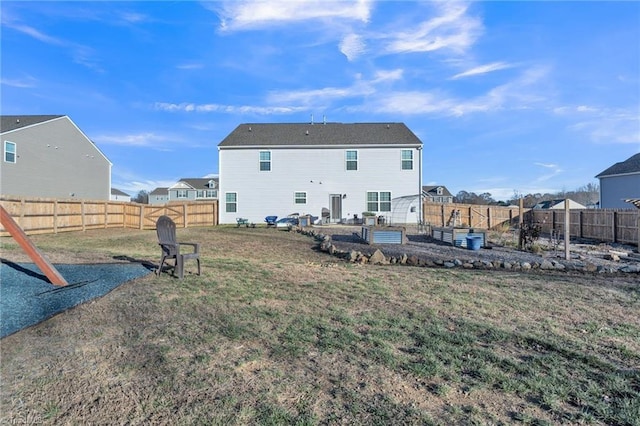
(332, 171)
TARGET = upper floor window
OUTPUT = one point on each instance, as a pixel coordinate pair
(211, 184)
(9, 152)
(379, 201)
(352, 160)
(300, 197)
(407, 159)
(181, 193)
(439, 190)
(265, 161)
(212, 193)
(231, 202)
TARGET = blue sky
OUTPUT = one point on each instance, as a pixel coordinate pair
(507, 96)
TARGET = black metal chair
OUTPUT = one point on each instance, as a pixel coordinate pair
(166, 229)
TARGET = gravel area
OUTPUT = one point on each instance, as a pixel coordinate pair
(500, 249)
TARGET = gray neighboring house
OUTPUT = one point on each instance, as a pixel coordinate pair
(117, 195)
(159, 196)
(619, 182)
(437, 194)
(194, 189)
(48, 156)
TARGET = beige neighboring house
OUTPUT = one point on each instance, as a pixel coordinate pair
(48, 156)
(117, 195)
(558, 205)
(159, 196)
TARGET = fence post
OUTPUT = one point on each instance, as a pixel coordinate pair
(489, 209)
(82, 216)
(442, 219)
(141, 217)
(614, 226)
(55, 217)
(184, 214)
(567, 233)
(520, 221)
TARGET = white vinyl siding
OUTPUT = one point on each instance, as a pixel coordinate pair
(351, 158)
(9, 152)
(265, 161)
(407, 159)
(231, 202)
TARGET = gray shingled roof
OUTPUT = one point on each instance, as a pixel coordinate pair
(432, 189)
(160, 191)
(115, 191)
(631, 165)
(307, 134)
(198, 183)
(13, 122)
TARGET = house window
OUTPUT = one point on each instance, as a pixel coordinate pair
(181, 193)
(379, 201)
(439, 190)
(407, 159)
(231, 202)
(265, 161)
(300, 197)
(212, 193)
(199, 193)
(352, 160)
(9, 152)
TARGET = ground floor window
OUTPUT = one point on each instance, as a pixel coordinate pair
(231, 202)
(379, 201)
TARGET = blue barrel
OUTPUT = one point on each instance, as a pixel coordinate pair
(474, 242)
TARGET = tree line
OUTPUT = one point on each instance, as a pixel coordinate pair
(587, 195)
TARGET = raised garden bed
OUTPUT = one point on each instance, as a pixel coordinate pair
(457, 236)
(383, 235)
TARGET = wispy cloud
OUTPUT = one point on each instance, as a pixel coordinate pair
(553, 171)
(352, 46)
(452, 28)
(603, 125)
(248, 15)
(146, 139)
(81, 54)
(193, 66)
(482, 69)
(23, 83)
(227, 109)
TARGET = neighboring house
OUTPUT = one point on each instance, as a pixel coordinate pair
(339, 169)
(619, 182)
(558, 205)
(437, 194)
(49, 156)
(117, 195)
(159, 196)
(194, 189)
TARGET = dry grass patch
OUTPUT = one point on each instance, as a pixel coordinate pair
(275, 332)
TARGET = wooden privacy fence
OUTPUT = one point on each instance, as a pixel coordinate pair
(46, 216)
(471, 215)
(616, 226)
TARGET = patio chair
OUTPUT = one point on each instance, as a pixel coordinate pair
(171, 249)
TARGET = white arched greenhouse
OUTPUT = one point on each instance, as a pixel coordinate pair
(405, 210)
